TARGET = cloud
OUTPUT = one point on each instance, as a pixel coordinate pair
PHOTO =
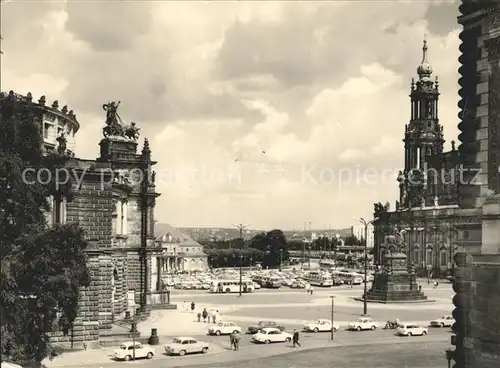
(269, 113)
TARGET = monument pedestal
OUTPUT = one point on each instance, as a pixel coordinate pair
(395, 284)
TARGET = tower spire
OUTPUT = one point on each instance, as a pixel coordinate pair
(424, 70)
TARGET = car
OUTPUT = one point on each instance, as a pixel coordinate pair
(186, 345)
(321, 325)
(127, 351)
(252, 329)
(224, 328)
(268, 335)
(410, 329)
(443, 321)
(362, 323)
(256, 286)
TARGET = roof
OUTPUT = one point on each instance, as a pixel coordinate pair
(164, 230)
(185, 338)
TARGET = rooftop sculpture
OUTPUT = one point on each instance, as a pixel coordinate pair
(115, 126)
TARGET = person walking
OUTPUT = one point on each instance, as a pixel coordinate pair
(214, 316)
(192, 306)
(204, 314)
(231, 340)
(311, 290)
(236, 341)
(295, 339)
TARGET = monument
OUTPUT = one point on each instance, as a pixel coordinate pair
(395, 282)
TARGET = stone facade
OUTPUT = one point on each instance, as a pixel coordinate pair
(477, 278)
(433, 225)
(114, 200)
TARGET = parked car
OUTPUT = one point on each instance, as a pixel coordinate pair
(362, 323)
(126, 351)
(443, 321)
(321, 325)
(409, 329)
(224, 328)
(269, 335)
(186, 345)
(252, 329)
(256, 286)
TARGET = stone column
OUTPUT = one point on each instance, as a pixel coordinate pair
(491, 226)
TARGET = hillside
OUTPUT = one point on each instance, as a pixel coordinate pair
(203, 233)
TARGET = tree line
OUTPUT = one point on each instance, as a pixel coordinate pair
(43, 267)
(266, 249)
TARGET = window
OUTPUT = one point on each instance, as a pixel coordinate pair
(46, 128)
(59, 210)
(443, 260)
(428, 259)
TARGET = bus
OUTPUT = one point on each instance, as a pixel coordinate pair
(349, 277)
(323, 279)
(232, 286)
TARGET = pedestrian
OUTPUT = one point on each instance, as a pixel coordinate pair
(217, 316)
(237, 339)
(307, 288)
(184, 306)
(295, 338)
(199, 316)
(311, 289)
(231, 341)
(204, 314)
(192, 306)
(435, 285)
(214, 316)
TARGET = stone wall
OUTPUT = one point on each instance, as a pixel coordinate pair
(120, 299)
(477, 312)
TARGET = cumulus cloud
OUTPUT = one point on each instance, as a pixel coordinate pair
(270, 113)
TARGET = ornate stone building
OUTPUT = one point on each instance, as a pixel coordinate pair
(477, 285)
(434, 227)
(114, 200)
(179, 253)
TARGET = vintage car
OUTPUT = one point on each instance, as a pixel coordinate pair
(224, 328)
(362, 324)
(130, 350)
(321, 325)
(186, 345)
(269, 335)
(252, 329)
(411, 329)
(443, 321)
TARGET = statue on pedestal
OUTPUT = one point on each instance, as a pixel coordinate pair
(114, 125)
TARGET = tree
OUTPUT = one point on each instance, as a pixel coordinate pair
(274, 245)
(42, 268)
(351, 240)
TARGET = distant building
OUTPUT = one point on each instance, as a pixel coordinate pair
(359, 232)
(180, 253)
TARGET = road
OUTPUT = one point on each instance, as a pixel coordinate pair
(343, 340)
(410, 355)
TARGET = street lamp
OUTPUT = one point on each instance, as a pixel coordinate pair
(309, 256)
(303, 251)
(281, 258)
(365, 224)
(332, 312)
(241, 271)
(240, 227)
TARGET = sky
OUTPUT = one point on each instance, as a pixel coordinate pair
(272, 114)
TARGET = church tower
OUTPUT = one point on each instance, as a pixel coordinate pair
(423, 135)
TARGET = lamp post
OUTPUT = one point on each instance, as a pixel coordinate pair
(309, 256)
(241, 271)
(241, 227)
(332, 331)
(365, 281)
(281, 258)
(303, 252)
